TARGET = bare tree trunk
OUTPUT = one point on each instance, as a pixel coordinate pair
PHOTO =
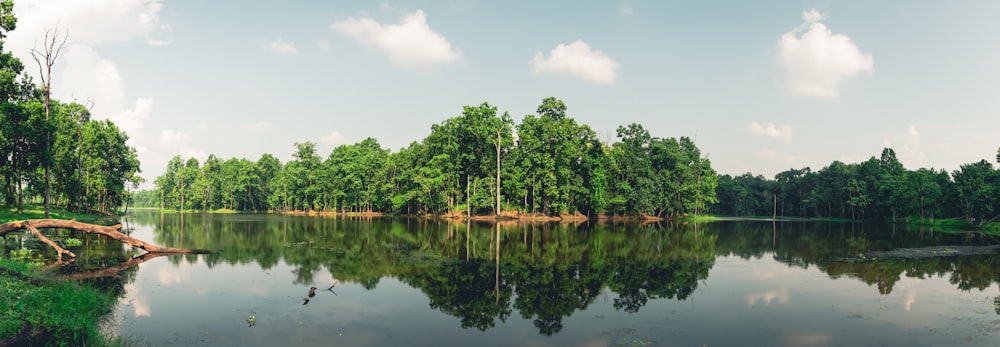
(51, 54)
(498, 174)
(468, 204)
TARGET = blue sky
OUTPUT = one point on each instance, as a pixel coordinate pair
(763, 86)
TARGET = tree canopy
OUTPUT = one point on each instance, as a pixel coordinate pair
(547, 164)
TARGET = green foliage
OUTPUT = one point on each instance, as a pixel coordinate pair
(69, 311)
(878, 189)
(73, 242)
(35, 211)
(554, 166)
(92, 166)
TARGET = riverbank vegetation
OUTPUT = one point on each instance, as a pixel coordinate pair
(547, 165)
(879, 188)
(53, 151)
(40, 310)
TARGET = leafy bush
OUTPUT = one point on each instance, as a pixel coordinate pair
(73, 242)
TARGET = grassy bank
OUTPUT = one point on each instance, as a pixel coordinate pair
(699, 218)
(170, 210)
(61, 313)
(954, 225)
(36, 211)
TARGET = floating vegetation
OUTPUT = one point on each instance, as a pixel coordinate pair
(631, 342)
(73, 242)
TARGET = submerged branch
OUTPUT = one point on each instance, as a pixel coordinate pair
(116, 270)
(59, 250)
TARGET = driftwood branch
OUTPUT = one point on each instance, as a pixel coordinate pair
(109, 231)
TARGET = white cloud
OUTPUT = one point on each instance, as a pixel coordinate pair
(172, 138)
(259, 126)
(279, 45)
(81, 73)
(816, 60)
(627, 11)
(166, 30)
(87, 76)
(180, 143)
(332, 139)
(909, 151)
(411, 44)
(767, 297)
(579, 60)
(89, 22)
(771, 155)
(154, 42)
(813, 16)
(323, 45)
(783, 132)
(912, 133)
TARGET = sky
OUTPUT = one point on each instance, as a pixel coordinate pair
(761, 86)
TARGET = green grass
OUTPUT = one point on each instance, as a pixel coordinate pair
(69, 311)
(37, 211)
(946, 223)
(700, 218)
(992, 228)
(170, 210)
(224, 211)
(955, 225)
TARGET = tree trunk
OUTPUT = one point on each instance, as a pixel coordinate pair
(498, 174)
(109, 231)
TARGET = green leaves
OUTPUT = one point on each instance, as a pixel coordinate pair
(555, 166)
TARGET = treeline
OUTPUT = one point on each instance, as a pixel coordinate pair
(878, 189)
(91, 166)
(54, 149)
(548, 164)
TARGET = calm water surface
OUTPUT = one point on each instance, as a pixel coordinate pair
(413, 283)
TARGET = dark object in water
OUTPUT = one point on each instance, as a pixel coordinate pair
(305, 301)
(312, 292)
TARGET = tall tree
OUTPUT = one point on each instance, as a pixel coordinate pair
(52, 46)
(976, 184)
(10, 90)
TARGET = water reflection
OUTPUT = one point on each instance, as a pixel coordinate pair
(486, 275)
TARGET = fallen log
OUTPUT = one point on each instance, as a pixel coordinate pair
(110, 231)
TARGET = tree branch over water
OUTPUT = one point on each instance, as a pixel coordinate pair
(109, 231)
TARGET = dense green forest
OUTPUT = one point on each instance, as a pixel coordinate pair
(53, 149)
(877, 189)
(551, 165)
(548, 164)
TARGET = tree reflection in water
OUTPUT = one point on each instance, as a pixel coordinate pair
(547, 272)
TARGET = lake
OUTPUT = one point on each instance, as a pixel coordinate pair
(408, 282)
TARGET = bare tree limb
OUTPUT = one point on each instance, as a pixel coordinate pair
(55, 246)
(109, 231)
